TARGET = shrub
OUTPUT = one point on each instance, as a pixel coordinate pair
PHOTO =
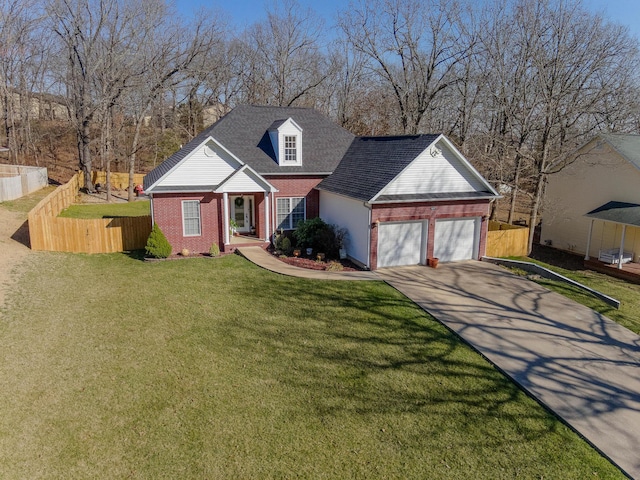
(319, 235)
(214, 251)
(282, 242)
(157, 244)
(285, 246)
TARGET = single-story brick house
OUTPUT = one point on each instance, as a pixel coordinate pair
(261, 169)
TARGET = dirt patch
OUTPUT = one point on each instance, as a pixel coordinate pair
(14, 246)
(559, 258)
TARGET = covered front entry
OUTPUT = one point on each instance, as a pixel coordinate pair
(402, 243)
(242, 208)
(456, 239)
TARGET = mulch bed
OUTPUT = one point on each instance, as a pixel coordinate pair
(312, 264)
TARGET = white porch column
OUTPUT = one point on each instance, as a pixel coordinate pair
(624, 230)
(586, 257)
(266, 215)
(225, 220)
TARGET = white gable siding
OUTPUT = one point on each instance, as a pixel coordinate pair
(444, 173)
(288, 128)
(243, 182)
(352, 215)
(209, 165)
(598, 175)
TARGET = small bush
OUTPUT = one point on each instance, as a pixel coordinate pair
(214, 251)
(285, 246)
(282, 243)
(157, 244)
(319, 235)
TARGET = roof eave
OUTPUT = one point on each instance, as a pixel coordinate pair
(435, 200)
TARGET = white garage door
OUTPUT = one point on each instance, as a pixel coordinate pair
(456, 239)
(401, 243)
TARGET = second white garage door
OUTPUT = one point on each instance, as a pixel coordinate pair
(401, 243)
(456, 239)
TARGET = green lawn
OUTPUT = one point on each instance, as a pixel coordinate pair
(628, 293)
(108, 210)
(26, 203)
(111, 367)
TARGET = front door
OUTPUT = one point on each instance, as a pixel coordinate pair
(242, 211)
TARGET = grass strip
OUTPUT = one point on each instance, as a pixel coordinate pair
(108, 210)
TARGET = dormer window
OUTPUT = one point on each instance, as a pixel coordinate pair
(290, 149)
(286, 138)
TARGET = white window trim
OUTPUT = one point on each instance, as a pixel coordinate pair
(304, 217)
(184, 226)
(283, 149)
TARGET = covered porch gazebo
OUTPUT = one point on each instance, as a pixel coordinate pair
(626, 215)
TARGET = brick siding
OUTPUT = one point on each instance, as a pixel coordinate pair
(405, 212)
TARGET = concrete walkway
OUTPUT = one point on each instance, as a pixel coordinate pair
(581, 365)
(265, 260)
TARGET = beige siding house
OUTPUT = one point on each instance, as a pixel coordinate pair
(592, 206)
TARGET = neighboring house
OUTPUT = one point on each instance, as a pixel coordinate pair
(592, 205)
(401, 199)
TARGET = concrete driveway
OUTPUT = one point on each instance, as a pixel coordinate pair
(581, 365)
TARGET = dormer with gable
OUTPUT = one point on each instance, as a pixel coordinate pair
(286, 138)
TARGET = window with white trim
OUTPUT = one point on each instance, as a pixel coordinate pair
(290, 211)
(291, 148)
(191, 218)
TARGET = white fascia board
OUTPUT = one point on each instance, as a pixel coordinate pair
(292, 122)
(466, 163)
(190, 154)
(246, 168)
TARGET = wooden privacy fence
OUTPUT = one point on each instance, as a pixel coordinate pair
(49, 232)
(504, 240)
(119, 181)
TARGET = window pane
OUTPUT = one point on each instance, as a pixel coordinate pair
(282, 208)
(290, 149)
(297, 213)
(191, 217)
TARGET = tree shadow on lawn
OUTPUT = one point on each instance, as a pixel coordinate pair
(389, 358)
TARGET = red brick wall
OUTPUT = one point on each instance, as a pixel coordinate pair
(298, 186)
(432, 211)
(167, 213)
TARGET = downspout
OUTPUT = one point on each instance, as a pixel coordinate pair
(368, 206)
(153, 220)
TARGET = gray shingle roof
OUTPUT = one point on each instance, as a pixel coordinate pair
(244, 132)
(372, 162)
(618, 212)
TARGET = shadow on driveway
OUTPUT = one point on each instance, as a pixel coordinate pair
(578, 363)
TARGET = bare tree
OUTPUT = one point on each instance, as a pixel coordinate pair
(412, 45)
(23, 50)
(283, 56)
(167, 53)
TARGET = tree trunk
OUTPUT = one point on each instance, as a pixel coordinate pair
(514, 191)
(85, 156)
(537, 201)
(132, 157)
